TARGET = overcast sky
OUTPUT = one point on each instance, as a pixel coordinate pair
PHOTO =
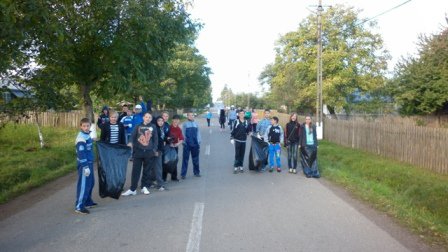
(238, 37)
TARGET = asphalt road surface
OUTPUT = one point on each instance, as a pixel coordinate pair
(220, 211)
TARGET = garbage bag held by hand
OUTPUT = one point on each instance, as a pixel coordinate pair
(112, 166)
(258, 153)
(169, 155)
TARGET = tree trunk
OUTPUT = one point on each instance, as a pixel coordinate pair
(87, 102)
(39, 131)
(332, 112)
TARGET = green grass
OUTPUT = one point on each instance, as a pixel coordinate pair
(415, 197)
(24, 165)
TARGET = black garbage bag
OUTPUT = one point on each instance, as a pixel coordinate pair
(169, 159)
(112, 166)
(258, 154)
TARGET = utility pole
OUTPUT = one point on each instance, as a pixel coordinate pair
(319, 65)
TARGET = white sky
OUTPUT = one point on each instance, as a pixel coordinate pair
(239, 35)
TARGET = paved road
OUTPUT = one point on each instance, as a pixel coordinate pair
(218, 212)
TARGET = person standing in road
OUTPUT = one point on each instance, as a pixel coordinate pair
(86, 180)
(113, 132)
(292, 137)
(308, 147)
(222, 119)
(254, 120)
(144, 145)
(232, 117)
(156, 171)
(238, 138)
(192, 143)
(208, 116)
(177, 138)
(139, 112)
(274, 136)
(263, 124)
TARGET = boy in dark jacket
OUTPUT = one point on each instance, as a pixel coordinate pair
(238, 138)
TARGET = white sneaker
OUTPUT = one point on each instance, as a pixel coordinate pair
(294, 171)
(145, 191)
(290, 170)
(129, 193)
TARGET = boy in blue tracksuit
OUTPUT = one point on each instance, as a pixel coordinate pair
(274, 136)
(86, 181)
(191, 144)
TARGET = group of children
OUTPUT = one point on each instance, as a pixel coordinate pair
(295, 137)
(148, 139)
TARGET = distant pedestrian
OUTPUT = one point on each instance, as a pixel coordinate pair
(222, 119)
(192, 143)
(292, 137)
(274, 136)
(238, 138)
(232, 117)
(86, 180)
(144, 142)
(308, 147)
(113, 132)
(208, 116)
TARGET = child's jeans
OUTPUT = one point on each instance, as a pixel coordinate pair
(274, 154)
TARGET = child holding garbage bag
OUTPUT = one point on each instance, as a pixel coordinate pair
(308, 149)
(238, 138)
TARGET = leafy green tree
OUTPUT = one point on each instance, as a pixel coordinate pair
(420, 84)
(354, 61)
(102, 47)
(227, 96)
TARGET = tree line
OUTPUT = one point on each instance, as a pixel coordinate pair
(355, 70)
(69, 54)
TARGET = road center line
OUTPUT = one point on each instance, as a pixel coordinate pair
(207, 150)
(194, 240)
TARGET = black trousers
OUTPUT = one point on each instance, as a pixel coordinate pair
(138, 163)
(240, 149)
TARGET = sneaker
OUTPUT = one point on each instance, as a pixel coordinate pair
(129, 193)
(279, 169)
(271, 169)
(145, 190)
(162, 188)
(294, 171)
(235, 170)
(182, 177)
(241, 169)
(197, 175)
(92, 205)
(290, 170)
(82, 211)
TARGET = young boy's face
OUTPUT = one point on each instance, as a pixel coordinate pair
(147, 118)
(85, 127)
(190, 116)
(273, 122)
(113, 119)
(175, 122)
(165, 117)
(267, 114)
(241, 115)
(160, 122)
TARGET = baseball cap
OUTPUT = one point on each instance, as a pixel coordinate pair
(138, 106)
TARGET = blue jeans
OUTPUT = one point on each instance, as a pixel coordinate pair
(292, 155)
(275, 151)
(185, 158)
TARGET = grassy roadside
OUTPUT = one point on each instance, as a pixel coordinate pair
(25, 166)
(415, 197)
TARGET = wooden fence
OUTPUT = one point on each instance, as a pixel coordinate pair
(421, 146)
(55, 119)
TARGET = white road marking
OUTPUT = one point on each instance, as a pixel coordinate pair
(194, 240)
(207, 150)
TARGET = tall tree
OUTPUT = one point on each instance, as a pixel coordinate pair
(354, 61)
(102, 47)
(420, 84)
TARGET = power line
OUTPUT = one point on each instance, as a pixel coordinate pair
(384, 12)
